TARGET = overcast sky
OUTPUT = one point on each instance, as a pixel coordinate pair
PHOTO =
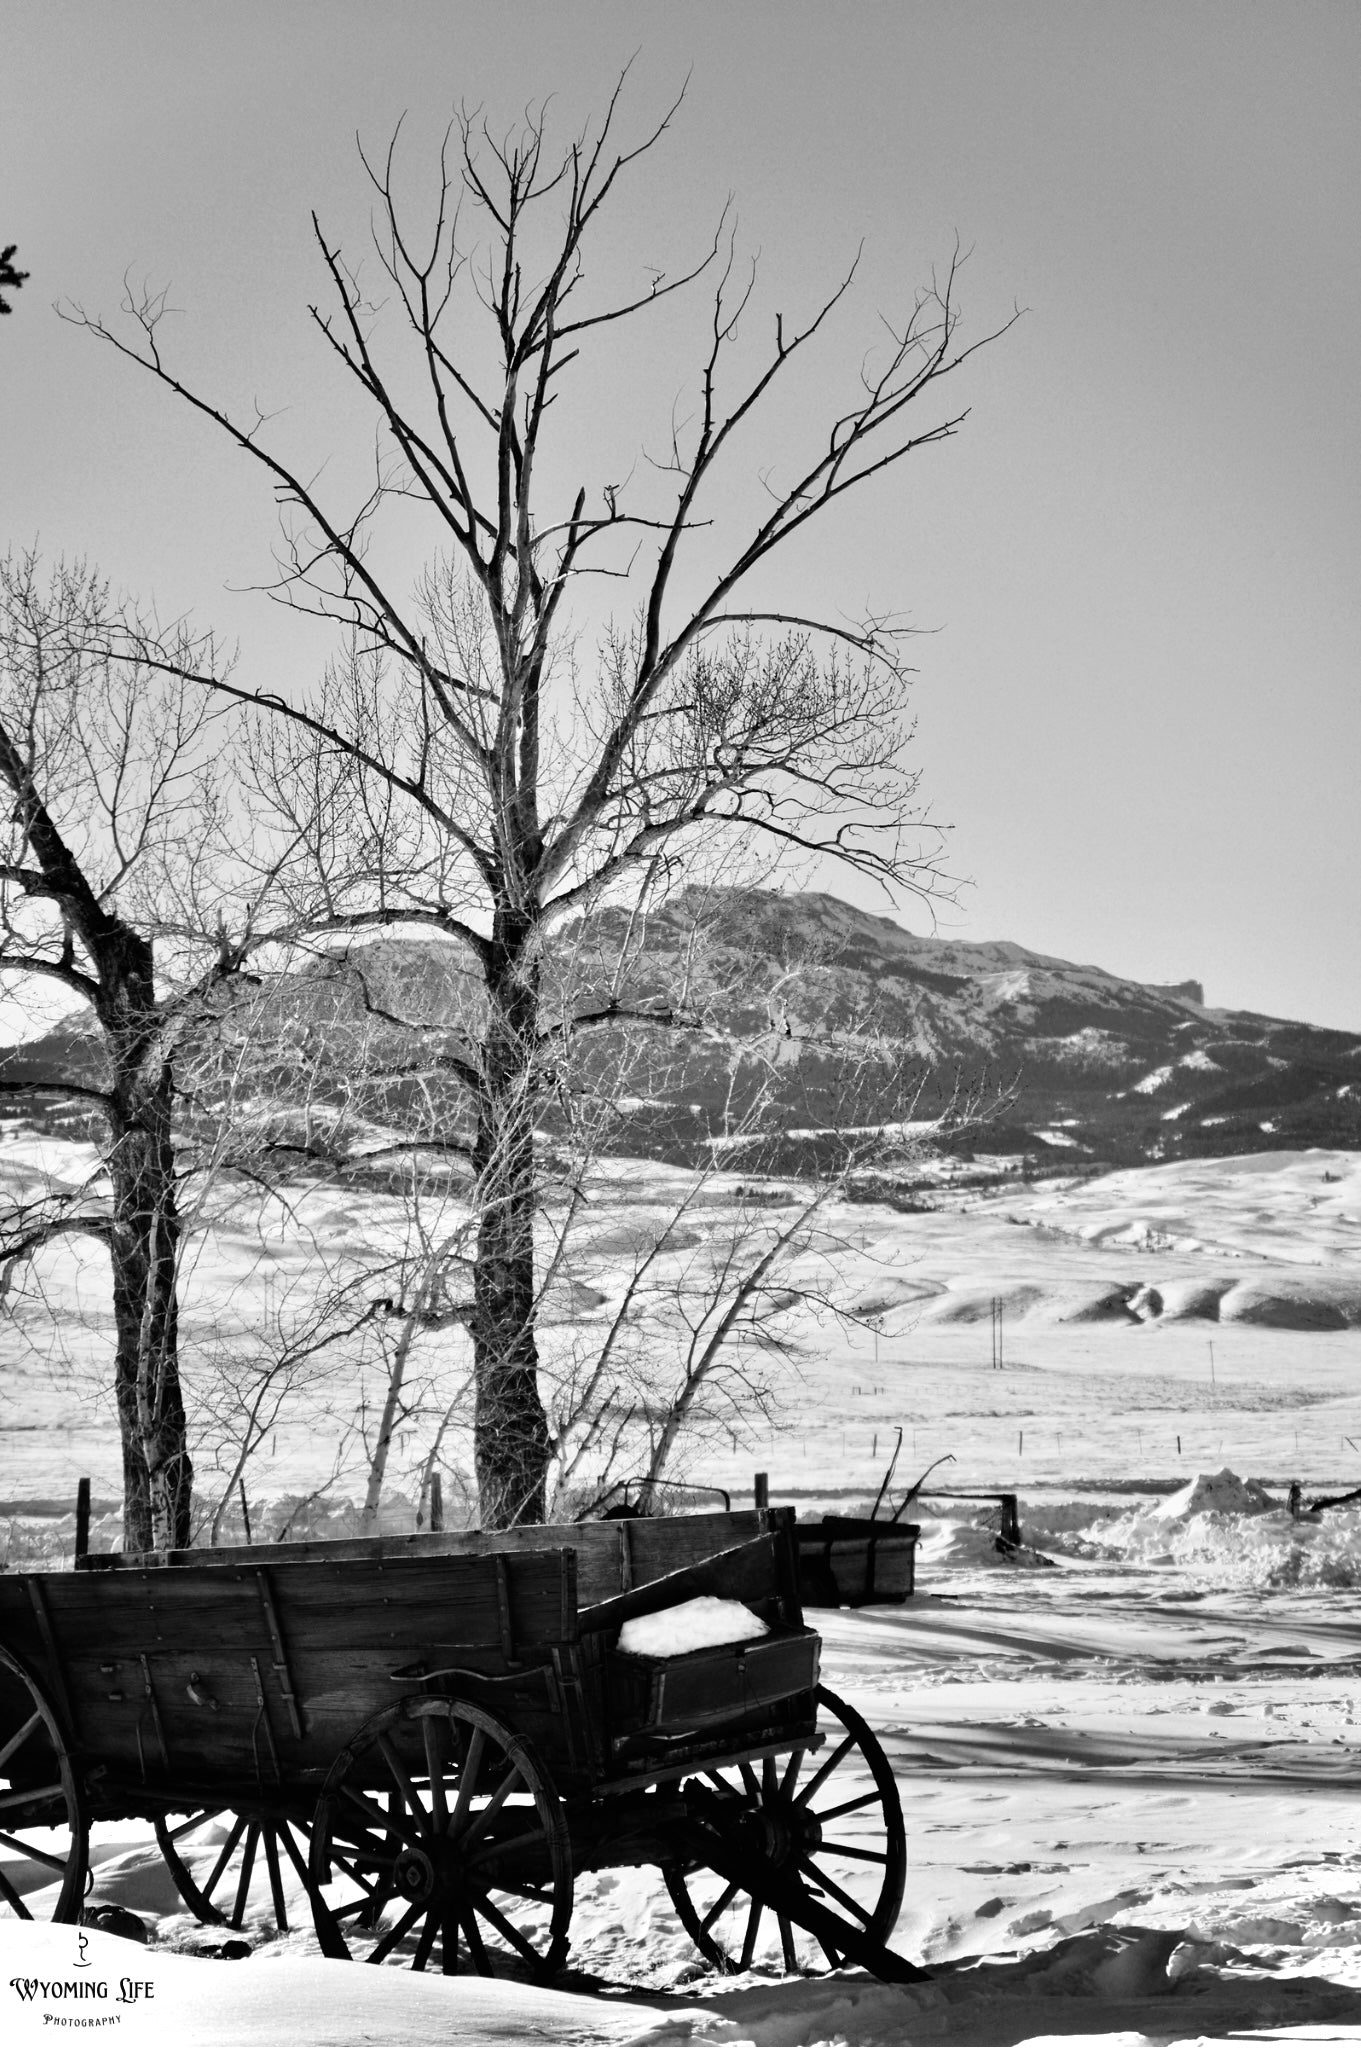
(1136, 568)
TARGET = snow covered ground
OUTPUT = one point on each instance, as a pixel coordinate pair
(1130, 1774)
(1154, 1322)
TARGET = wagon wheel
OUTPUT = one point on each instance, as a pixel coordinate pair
(43, 1824)
(254, 1843)
(439, 1826)
(828, 1818)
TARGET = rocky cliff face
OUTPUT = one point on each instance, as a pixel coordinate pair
(1104, 1070)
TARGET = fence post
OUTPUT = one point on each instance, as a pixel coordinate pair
(82, 1521)
(436, 1502)
(762, 1490)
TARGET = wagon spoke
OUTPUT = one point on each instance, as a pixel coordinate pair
(847, 1849)
(31, 1796)
(493, 1806)
(35, 1855)
(20, 1737)
(276, 1881)
(477, 1948)
(225, 1857)
(7, 1891)
(195, 1820)
(826, 1813)
(365, 1845)
(828, 1884)
(728, 1790)
(467, 1779)
(400, 1773)
(243, 1882)
(286, 1837)
(396, 1932)
(387, 1823)
(768, 1783)
(432, 1732)
(427, 1941)
(791, 1961)
(749, 1940)
(720, 1905)
(506, 1928)
(824, 1772)
(792, 1769)
(749, 1779)
(380, 1898)
(353, 1869)
(381, 1889)
(354, 1908)
(506, 1848)
(448, 1943)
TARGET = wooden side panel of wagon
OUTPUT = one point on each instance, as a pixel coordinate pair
(612, 1557)
(236, 1675)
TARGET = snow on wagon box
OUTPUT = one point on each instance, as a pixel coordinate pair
(703, 1646)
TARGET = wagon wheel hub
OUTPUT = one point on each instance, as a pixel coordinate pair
(781, 1832)
(449, 1873)
(414, 1875)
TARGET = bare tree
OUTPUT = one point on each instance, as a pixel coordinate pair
(426, 1303)
(110, 821)
(316, 1096)
(455, 769)
(672, 1303)
(720, 1280)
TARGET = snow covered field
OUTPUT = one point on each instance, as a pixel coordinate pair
(1129, 1775)
(1154, 1323)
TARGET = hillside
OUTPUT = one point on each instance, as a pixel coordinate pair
(1105, 1071)
(1100, 1071)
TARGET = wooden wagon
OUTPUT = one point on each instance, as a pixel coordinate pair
(437, 1734)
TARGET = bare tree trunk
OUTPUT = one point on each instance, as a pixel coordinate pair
(510, 1429)
(157, 1472)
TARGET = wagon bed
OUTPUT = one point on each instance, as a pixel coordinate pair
(438, 1732)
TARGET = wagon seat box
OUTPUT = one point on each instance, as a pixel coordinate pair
(658, 1704)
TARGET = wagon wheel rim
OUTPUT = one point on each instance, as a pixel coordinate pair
(826, 1817)
(40, 1798)
(258, 1850)
(439, 1842)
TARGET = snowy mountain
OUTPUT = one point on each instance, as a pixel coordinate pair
(1104, 1070)
(1099, 1070)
